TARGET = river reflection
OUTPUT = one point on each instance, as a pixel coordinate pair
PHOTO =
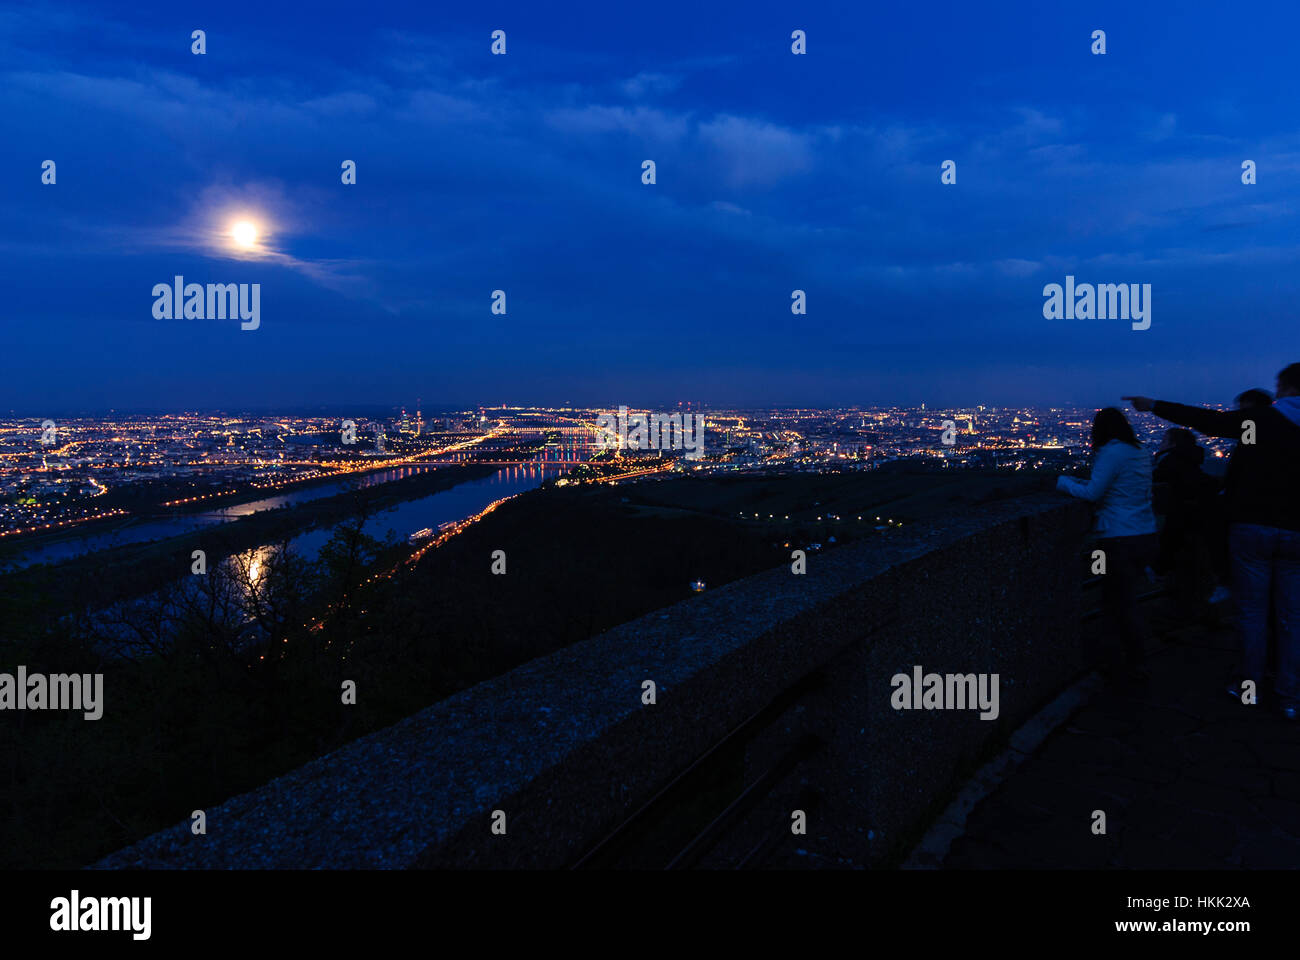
(515, 478)
(247, 579)
(252, 567)
(459, 502)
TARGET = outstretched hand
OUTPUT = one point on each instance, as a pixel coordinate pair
(1141, 403)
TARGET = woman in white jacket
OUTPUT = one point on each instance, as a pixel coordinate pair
(1125, 528)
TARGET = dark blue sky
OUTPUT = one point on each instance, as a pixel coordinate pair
(522, 172)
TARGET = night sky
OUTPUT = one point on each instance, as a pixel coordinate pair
(523, 173)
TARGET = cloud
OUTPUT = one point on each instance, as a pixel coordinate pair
(647, 84)
(1015, 267)
(725, 207)
(754, 152)
(344, 103)
(1162, 129)
(646, 122)
(444, 145)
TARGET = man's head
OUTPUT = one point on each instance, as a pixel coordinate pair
(1288, 381)
(1253, 399)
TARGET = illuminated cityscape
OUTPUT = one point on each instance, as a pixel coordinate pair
(594, 438)
(108, 469)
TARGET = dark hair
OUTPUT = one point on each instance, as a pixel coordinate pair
(1183, 439)
(1111, 424)
(1289, 377)
(1254, 397)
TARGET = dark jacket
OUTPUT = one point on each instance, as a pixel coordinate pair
(1178, 482)
(1264, 486)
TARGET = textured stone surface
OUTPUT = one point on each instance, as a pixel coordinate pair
(564, 746)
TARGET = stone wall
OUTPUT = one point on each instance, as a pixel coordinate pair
(566, 748)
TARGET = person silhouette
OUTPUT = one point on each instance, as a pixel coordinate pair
(1263, 507)
(1125, 528)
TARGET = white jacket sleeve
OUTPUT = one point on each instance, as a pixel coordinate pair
(1104, 470)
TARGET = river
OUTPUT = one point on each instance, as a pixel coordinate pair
(405, 518)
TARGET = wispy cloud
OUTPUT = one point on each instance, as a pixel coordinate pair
(649, 84)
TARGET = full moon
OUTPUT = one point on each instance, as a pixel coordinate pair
(244, 234)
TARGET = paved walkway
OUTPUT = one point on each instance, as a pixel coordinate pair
(1188, 779)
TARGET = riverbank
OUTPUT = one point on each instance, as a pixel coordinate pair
(133, 570)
